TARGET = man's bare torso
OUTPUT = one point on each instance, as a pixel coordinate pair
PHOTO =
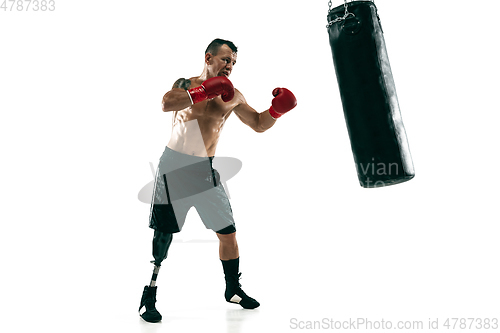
(196, 129)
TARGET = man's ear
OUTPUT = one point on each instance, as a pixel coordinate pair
(208, 58)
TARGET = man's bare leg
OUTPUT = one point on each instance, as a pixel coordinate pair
(228, 246)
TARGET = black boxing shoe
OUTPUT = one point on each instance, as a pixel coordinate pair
(234, 293)
(148, 300)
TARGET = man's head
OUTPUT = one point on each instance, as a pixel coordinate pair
(220, 57)
(215, 45)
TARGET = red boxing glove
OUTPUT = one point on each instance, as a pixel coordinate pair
(283, 101)
(211, 88)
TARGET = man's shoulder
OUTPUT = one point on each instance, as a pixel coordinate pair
(184, 83)
(239, 96)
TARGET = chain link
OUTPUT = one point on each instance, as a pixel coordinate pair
(346, 13)
(341, 18)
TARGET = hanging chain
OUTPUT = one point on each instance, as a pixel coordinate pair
(341, 18)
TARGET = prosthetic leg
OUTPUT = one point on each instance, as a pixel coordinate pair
(161, 243)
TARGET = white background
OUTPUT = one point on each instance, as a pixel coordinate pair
(80, 92)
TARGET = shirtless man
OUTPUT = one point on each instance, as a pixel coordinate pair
(186, 178)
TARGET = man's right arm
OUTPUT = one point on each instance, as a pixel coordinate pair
(177, 99)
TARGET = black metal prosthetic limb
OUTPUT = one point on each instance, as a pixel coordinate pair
(161, 243)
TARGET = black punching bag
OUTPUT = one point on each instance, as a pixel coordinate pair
(371, 109)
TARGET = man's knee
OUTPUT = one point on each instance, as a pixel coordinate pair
(227, 238)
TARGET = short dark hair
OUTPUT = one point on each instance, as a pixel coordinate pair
(215, 45)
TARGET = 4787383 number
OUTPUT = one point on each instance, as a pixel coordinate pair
(471, 323)
(28, 5)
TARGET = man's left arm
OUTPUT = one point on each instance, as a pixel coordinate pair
(283, 101)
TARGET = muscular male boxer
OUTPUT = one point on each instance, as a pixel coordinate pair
(200, 107)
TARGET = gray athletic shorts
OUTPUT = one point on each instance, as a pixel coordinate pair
(191, 182)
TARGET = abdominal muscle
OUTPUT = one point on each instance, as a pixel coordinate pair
(193, 134)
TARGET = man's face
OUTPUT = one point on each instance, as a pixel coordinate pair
(222, 63)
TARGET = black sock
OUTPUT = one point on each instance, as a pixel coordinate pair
(233, 293)
(231, 267)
